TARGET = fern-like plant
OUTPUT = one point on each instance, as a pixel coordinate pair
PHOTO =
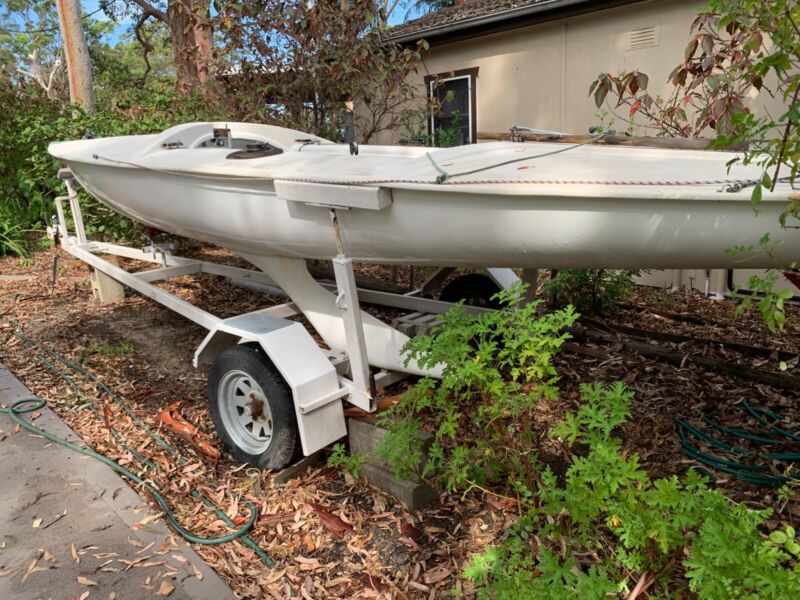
(496, 367)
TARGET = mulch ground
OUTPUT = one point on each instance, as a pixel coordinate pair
(330, 535)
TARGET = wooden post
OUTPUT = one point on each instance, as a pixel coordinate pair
(104, 288)
(76, 52)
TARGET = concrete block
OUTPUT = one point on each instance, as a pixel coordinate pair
(364, 439)
(104, 288)
(414, 495)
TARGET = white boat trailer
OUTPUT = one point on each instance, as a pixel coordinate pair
(319, 380)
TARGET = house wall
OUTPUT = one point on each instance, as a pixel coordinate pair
(539, 76)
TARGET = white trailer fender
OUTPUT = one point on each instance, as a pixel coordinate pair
(303, 365)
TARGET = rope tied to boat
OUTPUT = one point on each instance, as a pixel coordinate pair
(444, 175)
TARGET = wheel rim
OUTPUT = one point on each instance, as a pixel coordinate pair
(245, 412)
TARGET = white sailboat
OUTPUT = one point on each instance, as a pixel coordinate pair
(543, 205)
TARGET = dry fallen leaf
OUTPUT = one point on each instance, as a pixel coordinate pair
(408, 542)
(57, 518)
(500, 503)
(310, 547)
(146, 548)
(436, 574)
(74, 553)
(372, 581)
(197, 573)
(37, 523)
(408, 530)
(168, 543)
(150, 519)
(31, 566)
(331, 522)
(85, 580)
(165, 589)
(275, 577)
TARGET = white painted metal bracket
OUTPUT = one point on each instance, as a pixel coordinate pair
(347, 302)
(334, 196)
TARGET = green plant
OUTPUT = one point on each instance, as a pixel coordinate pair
(496, 367)
(108, 349)
(769, 301)
(591, 291)
(608, 529)
(12, 239)
(341, 459)
(415, 121)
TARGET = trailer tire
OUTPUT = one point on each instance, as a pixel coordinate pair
(475, 289)
(252, 408)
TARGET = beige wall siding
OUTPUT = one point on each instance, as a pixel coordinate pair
(539, 76)
(598, 43)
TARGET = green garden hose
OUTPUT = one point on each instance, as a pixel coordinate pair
(31, 404)
(749, 465)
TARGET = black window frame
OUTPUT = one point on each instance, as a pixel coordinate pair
(471, 74)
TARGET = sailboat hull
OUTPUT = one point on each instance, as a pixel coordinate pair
(472, 224)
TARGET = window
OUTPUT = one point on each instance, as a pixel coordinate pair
(454, 122)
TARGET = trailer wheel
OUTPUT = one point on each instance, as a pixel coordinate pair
(475, 289)
(252, 408)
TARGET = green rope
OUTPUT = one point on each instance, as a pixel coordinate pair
(237, 534)
(756, 473)
(444, 175)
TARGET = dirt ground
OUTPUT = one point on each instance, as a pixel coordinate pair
(330, 535)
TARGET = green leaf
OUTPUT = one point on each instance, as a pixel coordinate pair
(778, 537)
(755, 198)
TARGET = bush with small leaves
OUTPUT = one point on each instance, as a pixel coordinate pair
(608, 529)
(591, 291)
(496, 367)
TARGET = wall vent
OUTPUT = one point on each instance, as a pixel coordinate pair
(642, 37)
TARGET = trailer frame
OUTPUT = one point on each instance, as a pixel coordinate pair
(320, 379)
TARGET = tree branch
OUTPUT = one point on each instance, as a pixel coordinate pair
(51, 80)
(784, 141)
(389, 8)
(147, 47)
(152, 11)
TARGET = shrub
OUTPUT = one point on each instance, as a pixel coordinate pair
(608, 526)
(28, 173)
(497, 366)
(591, 291)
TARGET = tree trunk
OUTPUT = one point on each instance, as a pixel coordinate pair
(76, 52)
(192, 43)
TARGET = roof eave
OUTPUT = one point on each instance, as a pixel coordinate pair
(496, 18)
